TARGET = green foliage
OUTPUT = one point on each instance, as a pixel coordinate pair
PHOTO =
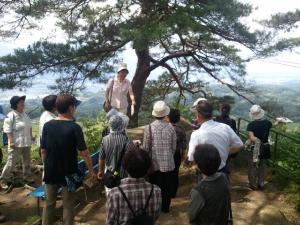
(188, 38)
(286, 159)
(92, 130)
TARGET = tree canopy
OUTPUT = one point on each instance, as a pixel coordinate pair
(190, 39)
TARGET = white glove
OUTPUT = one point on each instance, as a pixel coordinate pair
(132, 110)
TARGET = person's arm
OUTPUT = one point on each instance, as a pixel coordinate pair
(174, 140)
(101, 162)
(101, 168)
(131, 95)
(196, 204)
(83, 151)
(85, 154)
(108, 89)
(192, 145)
(43, 154)
(8, 129)
(146, 140)
(251, 136)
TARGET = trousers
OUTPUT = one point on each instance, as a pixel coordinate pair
(256, 172)
(13, 156)
(163, 180)
(51, 192)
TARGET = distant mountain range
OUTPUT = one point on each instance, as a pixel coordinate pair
(286, 96)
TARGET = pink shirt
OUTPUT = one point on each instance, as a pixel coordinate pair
(119, 94)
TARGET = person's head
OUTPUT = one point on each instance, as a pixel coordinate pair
(194, 106)
(66, 104)
(174, 116)
(204, 111)
(207, 158)
(49, 103)
(18, 103)
(160, 110)
(122, 71)
(136, 162)
(225, 109)
(256, 112)
(116, 124)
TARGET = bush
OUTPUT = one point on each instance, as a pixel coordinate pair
(287, 166)
(92, 130)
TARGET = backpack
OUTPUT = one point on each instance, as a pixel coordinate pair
(140, 217)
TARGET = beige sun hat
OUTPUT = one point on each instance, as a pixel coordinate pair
(194, 107)
(160, 109)
(256, 112)
(122, 66)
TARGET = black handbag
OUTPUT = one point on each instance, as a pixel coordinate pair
(112, 179)
(265, 151)
(107, 104)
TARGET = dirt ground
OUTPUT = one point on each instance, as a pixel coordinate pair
(247, 205)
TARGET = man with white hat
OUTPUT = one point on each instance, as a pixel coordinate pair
(117, 91)
(160, 142)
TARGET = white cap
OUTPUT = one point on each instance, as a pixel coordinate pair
(121, 67)
(256, 112)
(194, 107)
(160, 109)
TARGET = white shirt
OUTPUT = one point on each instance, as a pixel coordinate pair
(218, 134)
(19, 124)
(45, 117)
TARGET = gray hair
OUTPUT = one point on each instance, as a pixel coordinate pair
(116, 123)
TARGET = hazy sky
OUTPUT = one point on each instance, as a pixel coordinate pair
(284, 67)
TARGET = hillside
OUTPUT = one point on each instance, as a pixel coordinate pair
(286, 97)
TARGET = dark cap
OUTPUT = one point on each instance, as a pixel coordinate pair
(15, 100)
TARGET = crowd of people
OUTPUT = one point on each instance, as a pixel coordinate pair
(140, 179)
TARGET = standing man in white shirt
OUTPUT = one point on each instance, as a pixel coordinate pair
(218, 134)
(117, 91)
(49, 113)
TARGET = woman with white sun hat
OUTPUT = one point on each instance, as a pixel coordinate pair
(258, 129)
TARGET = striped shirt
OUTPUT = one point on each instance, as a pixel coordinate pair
(112, 146)
(163, 145)
(137, 191)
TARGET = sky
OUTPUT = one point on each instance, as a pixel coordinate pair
(282, 68)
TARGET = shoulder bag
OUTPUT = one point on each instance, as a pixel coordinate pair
(107, 104)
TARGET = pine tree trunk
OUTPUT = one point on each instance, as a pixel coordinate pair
(138, 82)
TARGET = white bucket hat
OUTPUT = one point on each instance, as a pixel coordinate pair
(194, 107)
(121, 67)
(256, 112)
(160, 109)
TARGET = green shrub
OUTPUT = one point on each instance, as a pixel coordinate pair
(92, 130)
